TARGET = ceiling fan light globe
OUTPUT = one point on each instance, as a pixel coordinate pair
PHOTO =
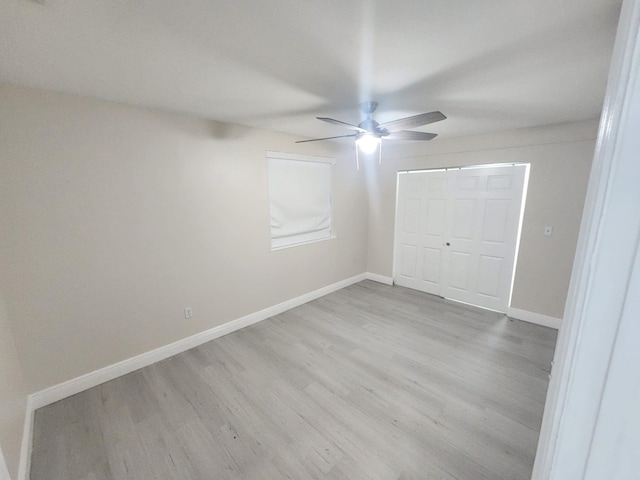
(368, 143)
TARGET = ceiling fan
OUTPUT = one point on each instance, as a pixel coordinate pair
(369, 133)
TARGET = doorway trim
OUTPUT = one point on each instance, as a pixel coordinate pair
(590, 429)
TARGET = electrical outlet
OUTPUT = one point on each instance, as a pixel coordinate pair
(188, 313)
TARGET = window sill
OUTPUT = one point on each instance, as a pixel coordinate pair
(282, 247)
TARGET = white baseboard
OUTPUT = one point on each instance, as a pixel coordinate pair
(379, 278)
(532, 317)
(92, 379)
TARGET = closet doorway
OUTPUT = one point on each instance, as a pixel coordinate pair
(457, 232)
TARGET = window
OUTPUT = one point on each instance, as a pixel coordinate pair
(300, 195)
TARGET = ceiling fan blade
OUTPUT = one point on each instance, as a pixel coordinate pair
(412, 122)
(408, 135)
(343, 124)
(326, 138)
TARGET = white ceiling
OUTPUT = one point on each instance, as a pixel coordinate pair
(488, 65)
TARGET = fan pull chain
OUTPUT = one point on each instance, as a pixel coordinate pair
(357, 157)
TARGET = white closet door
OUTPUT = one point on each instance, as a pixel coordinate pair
(483, 216)
(420, 231)
(456, 233)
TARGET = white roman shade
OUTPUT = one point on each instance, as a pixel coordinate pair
(300, 190)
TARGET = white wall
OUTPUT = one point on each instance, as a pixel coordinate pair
(114, 218)
(13, 398)
(560, 157)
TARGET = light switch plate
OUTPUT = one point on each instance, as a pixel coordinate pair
(548, 230)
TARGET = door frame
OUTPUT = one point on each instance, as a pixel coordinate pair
(590, 429)
(4, 471)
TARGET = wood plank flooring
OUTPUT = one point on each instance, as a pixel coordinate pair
(371, 382)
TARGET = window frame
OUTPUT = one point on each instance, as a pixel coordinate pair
(302, 158)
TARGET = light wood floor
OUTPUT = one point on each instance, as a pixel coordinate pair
(372, 382)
